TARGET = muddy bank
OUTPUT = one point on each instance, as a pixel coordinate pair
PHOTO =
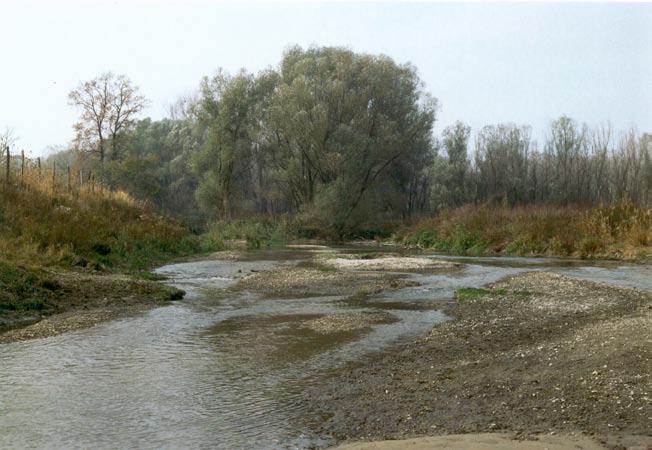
(337, 323)
(75, 300)
(482, 441)
(535, 353)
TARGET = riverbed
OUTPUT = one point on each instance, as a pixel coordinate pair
(222, 368)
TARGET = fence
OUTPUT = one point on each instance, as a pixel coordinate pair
(21, 171)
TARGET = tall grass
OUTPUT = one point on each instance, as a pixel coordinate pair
(47, 223)
(615, 231)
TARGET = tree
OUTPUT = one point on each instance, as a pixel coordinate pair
(109, 104)
(501, 161)
(352, 134)
(7, 139)
(341, 141)
(566, 142)
(181, 108)
(455, 141)
(225, 111)
(155, 166)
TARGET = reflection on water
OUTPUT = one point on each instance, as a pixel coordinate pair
(219, 370)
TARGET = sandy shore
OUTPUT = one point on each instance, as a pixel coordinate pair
(533, 354)
(338, 323)
(389, 263)
(298, 282)
(481, 441)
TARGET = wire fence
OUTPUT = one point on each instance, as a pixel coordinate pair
(21, 171)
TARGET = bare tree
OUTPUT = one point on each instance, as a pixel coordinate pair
(92, 97)
(182, 107)
(601, 140)
(108, 105)
(124, 104)
(7, 139)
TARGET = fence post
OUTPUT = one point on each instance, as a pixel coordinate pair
(54, 176)
(68, 176)
(7, 172)
(81, 179)
(22, 167)
(38, 163)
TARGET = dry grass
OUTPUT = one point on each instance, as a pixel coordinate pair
(46, 231)
(622, 231)
(43, 223)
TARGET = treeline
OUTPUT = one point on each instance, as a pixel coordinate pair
(341, 141)
(576, 166)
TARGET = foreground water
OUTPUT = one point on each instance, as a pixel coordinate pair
(220, 370)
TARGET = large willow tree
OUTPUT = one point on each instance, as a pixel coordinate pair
(352, 133)
(340, 138)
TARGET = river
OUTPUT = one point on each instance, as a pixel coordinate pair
(218, 370)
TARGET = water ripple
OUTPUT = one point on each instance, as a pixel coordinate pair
(213, 371)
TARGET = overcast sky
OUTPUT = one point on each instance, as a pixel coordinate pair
(486, 63)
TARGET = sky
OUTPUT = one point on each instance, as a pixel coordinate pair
(525, 63)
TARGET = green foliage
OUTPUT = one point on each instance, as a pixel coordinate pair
(339, 137)
(23, 289)
(227, 113)
(257, 233)
(357, 131)
(155, 166)
(342, 142)
(423, 237)
(455, 141)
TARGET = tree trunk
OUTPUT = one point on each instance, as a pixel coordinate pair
(226, 206)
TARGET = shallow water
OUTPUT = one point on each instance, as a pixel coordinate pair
(220, 370)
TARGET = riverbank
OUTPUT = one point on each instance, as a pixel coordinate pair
(72, 258)
(62, 300)
(535, 353)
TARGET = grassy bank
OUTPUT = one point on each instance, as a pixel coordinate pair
(29, 294)
(65, 249)
(621, 231)
(87, 228)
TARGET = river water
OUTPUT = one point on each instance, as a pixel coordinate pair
(219, 370)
